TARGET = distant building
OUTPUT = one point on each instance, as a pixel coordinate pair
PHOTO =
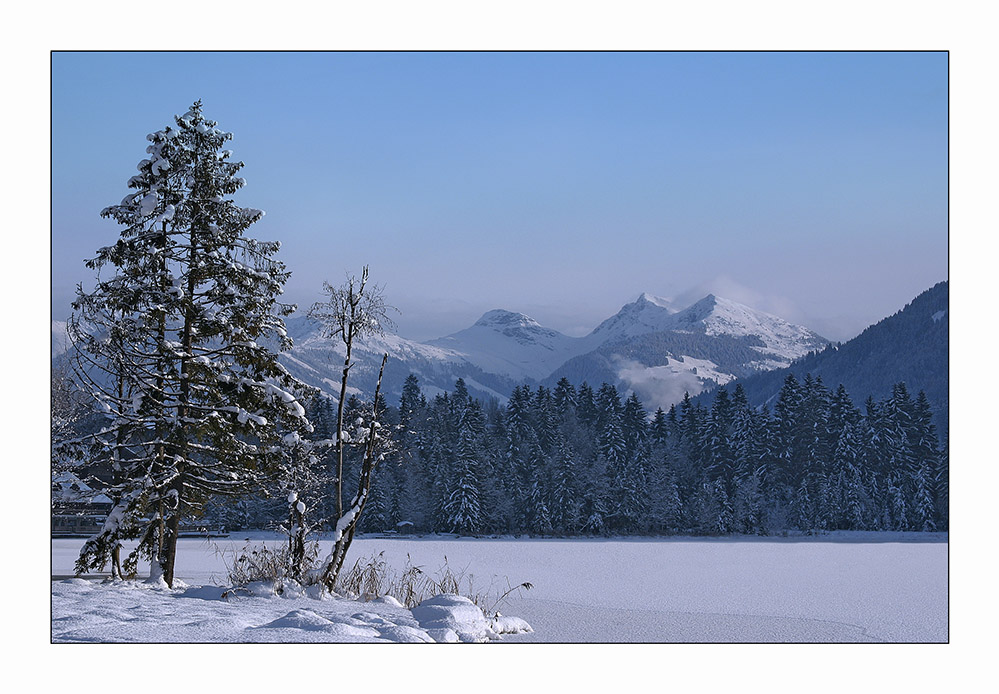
(78, 510)
(405, 527)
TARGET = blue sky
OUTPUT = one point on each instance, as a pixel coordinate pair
(812, 185)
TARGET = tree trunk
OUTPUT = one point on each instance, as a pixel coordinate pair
(159, 556)
(342, 544)
(183, 408)
(172, 528)
(348, 340)
(296, 539)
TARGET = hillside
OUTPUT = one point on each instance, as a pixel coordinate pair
(910, 346)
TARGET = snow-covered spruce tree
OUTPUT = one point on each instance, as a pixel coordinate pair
(170, 344)
(461, 508)
(563, 496)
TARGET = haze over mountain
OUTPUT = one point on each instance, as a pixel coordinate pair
(649, 346)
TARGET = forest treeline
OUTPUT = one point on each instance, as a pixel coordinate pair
(570, 461)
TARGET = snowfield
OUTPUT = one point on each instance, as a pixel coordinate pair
(843, 587)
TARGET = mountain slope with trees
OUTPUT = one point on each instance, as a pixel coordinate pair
(910, 346)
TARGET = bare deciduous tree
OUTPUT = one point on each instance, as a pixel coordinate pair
(354, 310)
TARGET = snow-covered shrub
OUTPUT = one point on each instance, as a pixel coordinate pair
(367, 578)
(259, 569)
(259, 564)
(370, 578)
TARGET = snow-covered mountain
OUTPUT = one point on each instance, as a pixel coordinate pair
(649, 346)
(661, 353)
(513, 345)
(647, 314)
(318, 361)
(780, 342)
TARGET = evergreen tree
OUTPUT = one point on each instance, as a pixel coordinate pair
(545, 420)
(628, 502)
(819, 442)
(788, 438)
(667, 508)
(610, 425)
(716, 442)
(414, 474)
(586, 405)
(523, 454)
(563, 503)
(461, 509)
(941, 481)
(540, 519)
(202, 406)
(659, 430)
(690, 473)
(634, 425)
(712, 509)
(564, 398)
(851, 496)
(410, 401)
(746, 504)
(898, 429)
(926, 464)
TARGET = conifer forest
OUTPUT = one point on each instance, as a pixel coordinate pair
(587, 462)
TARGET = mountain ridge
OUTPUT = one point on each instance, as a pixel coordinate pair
(911, 345)
(649, 345)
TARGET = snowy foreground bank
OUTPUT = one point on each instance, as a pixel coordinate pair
(130, 611)
(859, 587)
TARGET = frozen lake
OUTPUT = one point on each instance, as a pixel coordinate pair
(846, 588)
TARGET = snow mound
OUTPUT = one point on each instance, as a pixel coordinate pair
(307, 620)
(510, 625)
(405, 634)
(449, 618)
(387, 600)
(205, 593)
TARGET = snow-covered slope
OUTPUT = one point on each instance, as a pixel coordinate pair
(781, 342)
(318, 361)
(511, 344)
(649, 346)
(647, 314)
(661, 353)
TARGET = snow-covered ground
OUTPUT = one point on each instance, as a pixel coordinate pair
(841, 588)
(133, 611)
